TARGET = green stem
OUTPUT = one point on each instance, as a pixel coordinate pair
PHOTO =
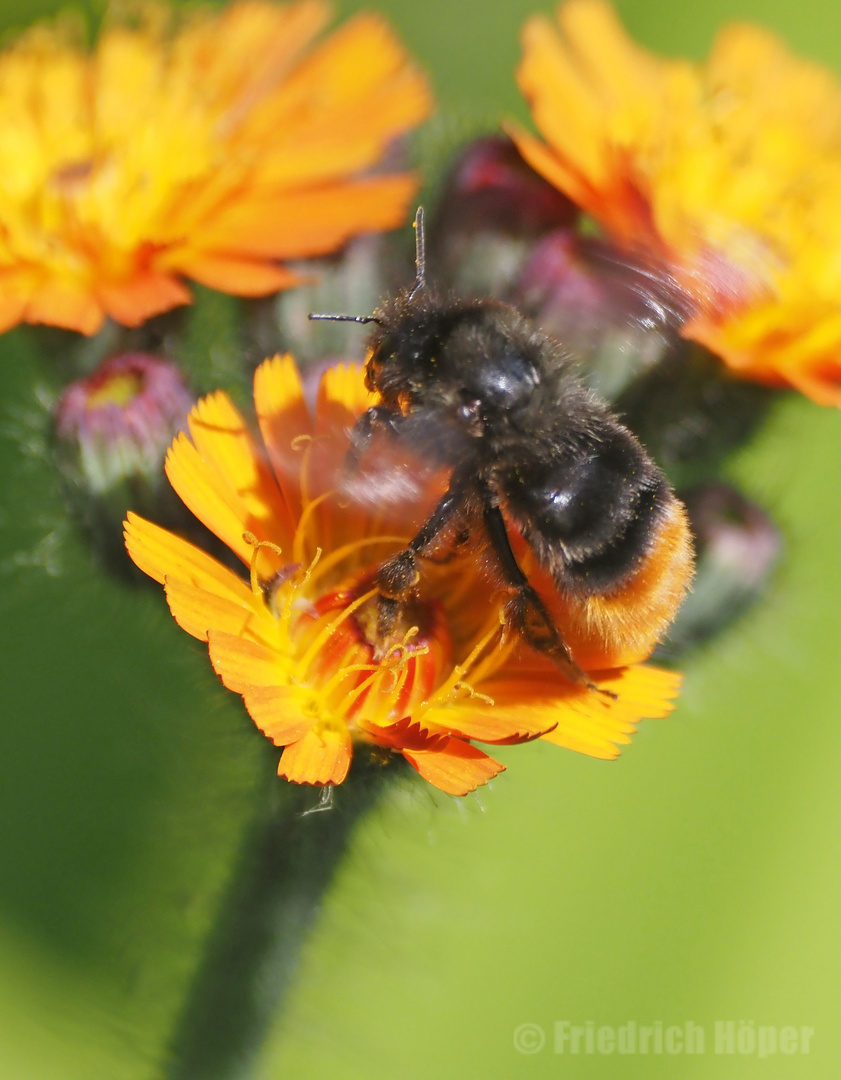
(252, 957)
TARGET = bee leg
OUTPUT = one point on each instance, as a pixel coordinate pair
(525, 611)
(456, 547)
(398, 577)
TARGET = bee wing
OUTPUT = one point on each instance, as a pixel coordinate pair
(391, 481)
(644, 292)
(383, 490)
(618, 313)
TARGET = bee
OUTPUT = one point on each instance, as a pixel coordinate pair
(537, 464)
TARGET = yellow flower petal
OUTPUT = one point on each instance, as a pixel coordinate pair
(595, 724)
(161, 554)
(210, 151)
(284, 419)
(202, 593)
(222, 478)
(199, 611)
(278, 712)
(131, 301)
(304, 223)
(321, 757)
(242, 664)
(231, 273)
(457, 769)
(727, 171)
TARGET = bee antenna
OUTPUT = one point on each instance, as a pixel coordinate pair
(345, 318)
(420, 255)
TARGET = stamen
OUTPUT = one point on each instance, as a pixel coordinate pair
(307, 511)
(337, 676)
(469, 692)
(392, 664)
(327, 632)
(296, 582)
(445, 690)
(341, 553)
(395, 662)
(252, 541)
(297, 443)
(494, 659)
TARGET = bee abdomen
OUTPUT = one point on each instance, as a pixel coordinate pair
(617, 555)
(620, 625)
(591, 512)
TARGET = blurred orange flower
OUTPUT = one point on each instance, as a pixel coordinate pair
(209, 153)
(298, 640)
(729, 172)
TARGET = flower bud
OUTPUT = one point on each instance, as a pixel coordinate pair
(113, 429)
(738, 547)
(492, 208)
(603, 305)
(119, 421)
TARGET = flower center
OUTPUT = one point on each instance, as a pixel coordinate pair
(115, 389)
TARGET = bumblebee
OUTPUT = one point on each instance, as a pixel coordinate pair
(540, 471)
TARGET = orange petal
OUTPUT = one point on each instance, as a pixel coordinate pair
(341, 399)
(57, 302)
(283, 417)
(224, 442)
(606, 55)
(550, 166)
(278, 713)
(342, 396)
(202, 594)
(15, 292)
(144, 294)
(225, 483)
(161, 554)
(457, 769)
(242, 664)
(473, 719)
(198, 612)
(231, 273)
(406, 734)
(301, 224)
(321, 757)
(565, 110)
(249, 47)
(367, 94)
(596, 724)
(202, 491)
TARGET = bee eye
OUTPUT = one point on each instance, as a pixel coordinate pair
(385, 347)
(372, 371)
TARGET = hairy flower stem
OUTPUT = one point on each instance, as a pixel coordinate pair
(252, 956)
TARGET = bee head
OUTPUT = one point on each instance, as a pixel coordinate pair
(399, 346)
(401, 350)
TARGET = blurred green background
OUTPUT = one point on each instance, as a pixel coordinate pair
(695, 879)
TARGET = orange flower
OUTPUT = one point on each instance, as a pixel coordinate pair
(729, 172)
(295, 640)
(209, 154)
